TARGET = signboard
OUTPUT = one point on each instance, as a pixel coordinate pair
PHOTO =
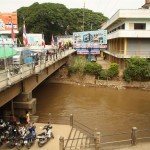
(5, 23)
(5, 41)
(93, 39)
(34, 39)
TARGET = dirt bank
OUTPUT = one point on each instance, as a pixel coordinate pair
(61, 76)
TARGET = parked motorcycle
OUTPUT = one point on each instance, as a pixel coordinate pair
(2, 130)
(13, 135)
(20, 139)
(45, 136)
(31, 137)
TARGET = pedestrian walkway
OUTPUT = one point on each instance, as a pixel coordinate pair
(105, 64)
(139, 146)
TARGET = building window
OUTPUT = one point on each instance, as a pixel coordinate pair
(139, 26)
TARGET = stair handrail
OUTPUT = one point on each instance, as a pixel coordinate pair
(83, 127)
(67, 140)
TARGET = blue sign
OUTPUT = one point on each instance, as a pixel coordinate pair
(93, 39)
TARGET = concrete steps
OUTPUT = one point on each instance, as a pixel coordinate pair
(78, 141)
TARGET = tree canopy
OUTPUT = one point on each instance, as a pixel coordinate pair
(138, 69)
(56, 19)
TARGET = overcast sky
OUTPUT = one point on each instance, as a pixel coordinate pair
(107, 7)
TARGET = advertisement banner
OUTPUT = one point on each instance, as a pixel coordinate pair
(90, 39)
(5, 23)
(5, 41)
(34, 39)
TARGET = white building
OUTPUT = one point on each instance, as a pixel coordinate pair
(128, 34)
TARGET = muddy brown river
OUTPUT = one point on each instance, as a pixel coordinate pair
(108, 110)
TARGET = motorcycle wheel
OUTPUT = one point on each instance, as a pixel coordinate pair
(1, 143)
(28, 146)
(20, 145)
(40, 144)
(11, 145)
(52, 135)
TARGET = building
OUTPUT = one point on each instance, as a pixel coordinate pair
(128, 35)
(6, 22)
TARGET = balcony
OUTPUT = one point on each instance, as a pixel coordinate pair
(129, 54)
(129, 34)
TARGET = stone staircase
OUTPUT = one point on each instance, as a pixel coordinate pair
(78, 141)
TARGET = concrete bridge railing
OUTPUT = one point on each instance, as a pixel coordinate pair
(10, 75)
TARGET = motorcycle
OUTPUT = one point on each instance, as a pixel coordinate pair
(13, 136)
(20, 139)
(2, 131)
(30, 138)
(45, 136)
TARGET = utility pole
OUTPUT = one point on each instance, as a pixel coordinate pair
(83, 14)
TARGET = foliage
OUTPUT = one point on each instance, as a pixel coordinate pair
(80, 65)
(113, 71)
(103, 75)
(138, 69)
(77, 20)
(77, 65)
(92, 68)
(55, 19)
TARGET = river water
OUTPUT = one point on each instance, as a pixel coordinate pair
(108, 110)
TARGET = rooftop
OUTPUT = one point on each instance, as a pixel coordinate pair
(127, 13)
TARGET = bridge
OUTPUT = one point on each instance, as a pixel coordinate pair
(17, 84)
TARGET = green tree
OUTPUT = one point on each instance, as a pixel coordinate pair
(56, 19)
(77, 64)
(138, 69)
(92, 68)
(113, 71)
(46, 18)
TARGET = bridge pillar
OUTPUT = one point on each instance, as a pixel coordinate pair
(24, 102)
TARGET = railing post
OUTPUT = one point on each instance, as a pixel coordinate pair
(97, 140)
(71, 120)
(21, 71)
(61, 143)
(33, 67)
(8, 77)
(133, 135)
(39, 64)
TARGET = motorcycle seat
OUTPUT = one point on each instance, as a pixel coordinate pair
(41, 134)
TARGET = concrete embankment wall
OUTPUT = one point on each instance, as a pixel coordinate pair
(90, 80)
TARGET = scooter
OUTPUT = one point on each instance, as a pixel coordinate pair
(31, 137)
(45, 136)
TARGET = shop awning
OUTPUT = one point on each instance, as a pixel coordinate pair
(6, 52)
